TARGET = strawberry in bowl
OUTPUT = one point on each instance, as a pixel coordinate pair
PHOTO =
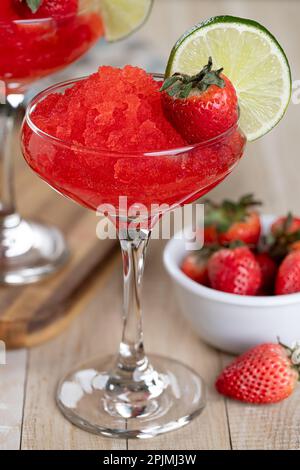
(233, 221)
(288, 277)
(195, 267)
(234, 270)
(245, 301)
(238, 259)
(268, 269)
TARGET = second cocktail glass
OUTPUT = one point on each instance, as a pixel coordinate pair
(131, 394)
(31, 49)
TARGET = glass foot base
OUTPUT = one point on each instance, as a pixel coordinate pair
(29, 251)
(83, 398)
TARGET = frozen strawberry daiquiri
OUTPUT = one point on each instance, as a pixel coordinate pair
(116, 140)
(37, 43)
(129, 134)
(37, 38)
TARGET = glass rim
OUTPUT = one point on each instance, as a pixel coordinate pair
(36, 21)
(83, 148)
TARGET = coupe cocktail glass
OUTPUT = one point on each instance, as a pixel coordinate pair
(131, 394)
(29, 50)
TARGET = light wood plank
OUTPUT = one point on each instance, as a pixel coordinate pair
(270, 427)
(12, 386)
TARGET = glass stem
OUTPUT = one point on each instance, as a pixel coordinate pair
(9, 115)
(131, 352)
(133, 384)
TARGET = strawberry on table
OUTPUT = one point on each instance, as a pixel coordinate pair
(195, 267)
(267, 373)
(288, 277)
(201, 106)
(234, 270)
(234, 221)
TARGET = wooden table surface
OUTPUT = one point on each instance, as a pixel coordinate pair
(271, 167)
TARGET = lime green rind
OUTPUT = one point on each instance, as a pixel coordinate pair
(237, 21)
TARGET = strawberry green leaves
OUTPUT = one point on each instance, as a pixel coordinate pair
(181, 85)
(225, 214)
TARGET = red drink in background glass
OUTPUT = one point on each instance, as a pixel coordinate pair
(31, 49)
(34, 44)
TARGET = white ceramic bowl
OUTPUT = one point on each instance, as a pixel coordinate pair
(230, 322)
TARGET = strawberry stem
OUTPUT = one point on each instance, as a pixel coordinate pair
(181, 85)
(279, 243)
(284, 345)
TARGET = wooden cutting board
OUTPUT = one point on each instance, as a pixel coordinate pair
(32, 314)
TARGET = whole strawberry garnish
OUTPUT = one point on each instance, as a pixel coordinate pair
(195, 267)
(57, 9)
(268, 270)
(265, 374)
(201, 106)
(234, 270)
(288, 277)
(233, 221)
(283, 236)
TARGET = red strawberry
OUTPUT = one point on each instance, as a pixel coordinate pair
(268, 269)
(265, 374)
(195, 267)
(288, 224)
(234, 270)
(202, 106)
(247, 231)
(46, 8)
(284, 234)
(288, 277)
(234, 221)
(295, 246)
(210, 235)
